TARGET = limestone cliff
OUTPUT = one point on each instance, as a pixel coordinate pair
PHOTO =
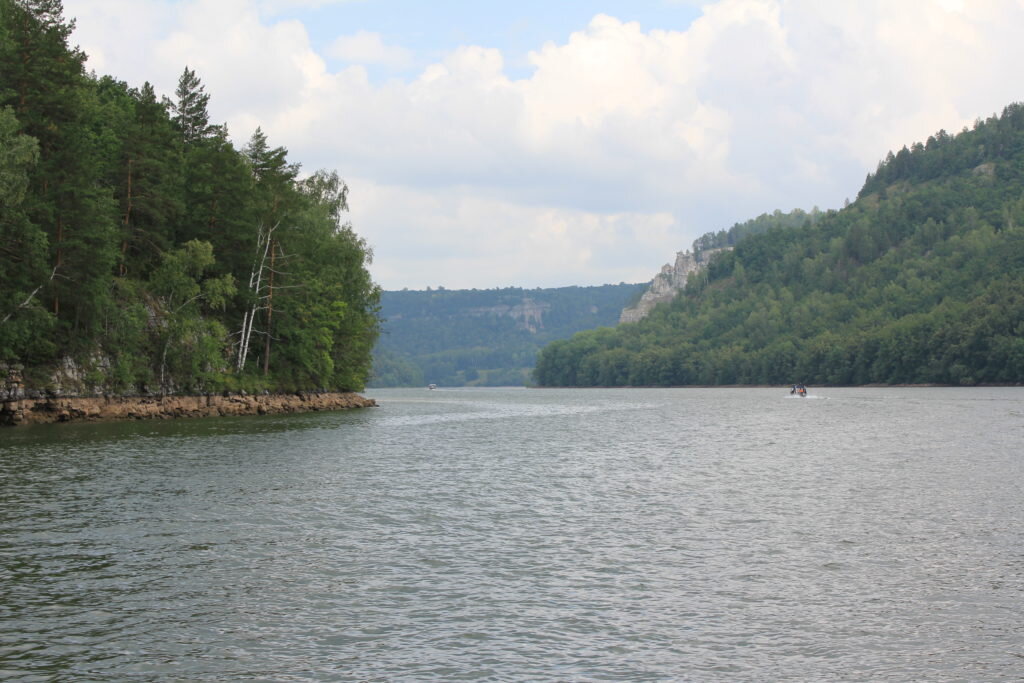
(528, 314)
(668, 283)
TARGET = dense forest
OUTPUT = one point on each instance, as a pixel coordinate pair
(141, 249)
(756, 226)
(920, 280)
(486, 337)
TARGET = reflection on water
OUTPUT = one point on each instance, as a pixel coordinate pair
(525, 535)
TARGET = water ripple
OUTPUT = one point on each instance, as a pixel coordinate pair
(494, 535)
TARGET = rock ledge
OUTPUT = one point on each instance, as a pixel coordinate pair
(73, 409)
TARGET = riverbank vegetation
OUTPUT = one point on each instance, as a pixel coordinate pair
(920, 280)
(142, 249)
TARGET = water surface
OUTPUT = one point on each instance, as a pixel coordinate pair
(543, 535)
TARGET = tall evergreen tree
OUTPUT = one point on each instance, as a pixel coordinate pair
(44, 81)
(218, 200)
(190, 108)
(24, 324)
(18, 153)
(149, 190)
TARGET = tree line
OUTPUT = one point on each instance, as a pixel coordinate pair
(920, 280)
(139, 243)
(755, 226)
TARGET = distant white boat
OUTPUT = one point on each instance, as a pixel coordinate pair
(431, 386)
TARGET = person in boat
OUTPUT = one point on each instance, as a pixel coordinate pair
(799, 389)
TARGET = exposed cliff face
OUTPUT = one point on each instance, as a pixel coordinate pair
(66, 401)
(528, 314)
(88, 377)
(668, 283)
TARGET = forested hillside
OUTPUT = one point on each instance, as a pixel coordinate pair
(920, 280)
(484, 337)
(141, 251)
(797, 218)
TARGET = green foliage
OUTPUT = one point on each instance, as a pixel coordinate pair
(23, 321)
(756, 226)
(484, 337)
(393, 370)
(191, 117)
(18, 154)
(44, 81)
(921, 280)
(131, 233)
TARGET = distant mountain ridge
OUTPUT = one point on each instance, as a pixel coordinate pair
(484, 337)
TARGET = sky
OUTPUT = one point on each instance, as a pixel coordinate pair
(570, 142)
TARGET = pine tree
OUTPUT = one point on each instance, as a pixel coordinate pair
(44, 81)
(218, 200)
(190, 109)
(150, 190)
(24, 323)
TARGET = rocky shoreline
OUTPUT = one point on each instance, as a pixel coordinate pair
(44, 410)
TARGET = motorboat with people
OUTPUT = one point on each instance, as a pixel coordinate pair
(799, 390)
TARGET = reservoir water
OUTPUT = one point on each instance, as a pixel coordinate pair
(538, 535)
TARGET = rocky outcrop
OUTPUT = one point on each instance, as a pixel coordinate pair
(668, 283)
(528, 314)
(68, 409)
(12, 387)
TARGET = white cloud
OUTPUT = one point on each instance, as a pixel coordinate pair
(272, 7)
(366, 47)
(115, 33)
(621, 146)
(462, 240)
